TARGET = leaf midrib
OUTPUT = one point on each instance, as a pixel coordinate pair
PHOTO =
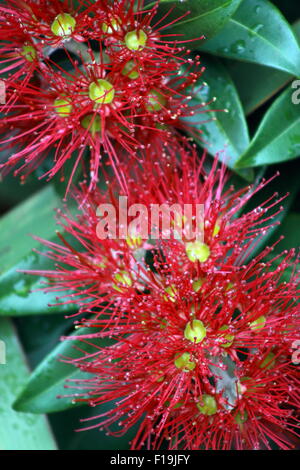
(202, 15)
(269, 142)
(248, 29)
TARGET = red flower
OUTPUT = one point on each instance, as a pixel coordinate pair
(189, 320)
(264, 411)
(118, 93)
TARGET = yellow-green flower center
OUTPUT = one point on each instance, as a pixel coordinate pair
(92, 122)
(197, 284)
(184, 362)
(29, 52)
(195, 331)
(241, 418)
(113, 25)
(258, 324)
(101, 91)
(155, 101)
(134, 242)
(136, 40)
(268, 362)
(229, 337)
(229, 286)
(62, 107)
(130, 71)
(207, 405)
(216, 229)
(63, 25)
(170, 293)
(123, 279)
(197, 251)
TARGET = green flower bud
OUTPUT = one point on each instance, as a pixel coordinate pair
(63, 25)
(197, 284)
(136, 40)
(268, 362)
(114, 25)
(229, 337)
(171, 294)
(62, 107)
(156, 101)
(101, 91)
(29, 52)
(216, 230)
(208, 405)
(92, 122)
(195, 331)
(258, 324)
(183, 362)
(240, 418)
(130, 71)
(197, 251)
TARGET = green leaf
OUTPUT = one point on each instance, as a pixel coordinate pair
(21, 294)
(206, 17)
(18, 431)
(255, 83)
(40, 334)
(48, 379)
(13, 192)
(278, 136)
(225, 131)
(258, 33)
(34, 216)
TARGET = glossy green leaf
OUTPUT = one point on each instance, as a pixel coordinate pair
(48, 380)
(34, 216)
(18, 431)
(19, 294)
(278, 136)
(12, 192)
(206, 17)
(227, 130)
(255, 83)
(258, 33)
(40, 334)
(23, 294)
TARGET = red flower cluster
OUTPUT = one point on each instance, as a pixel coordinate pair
(201, 353)
(86, 82)
(201, 333)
